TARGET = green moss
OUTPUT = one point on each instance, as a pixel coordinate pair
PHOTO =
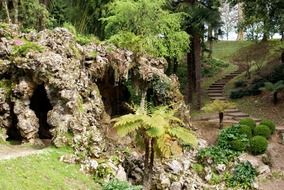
(22, 50)
(199, 169)
(75, 51)
(7, 86)
(93, 54)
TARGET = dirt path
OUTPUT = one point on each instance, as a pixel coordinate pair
(15, 151)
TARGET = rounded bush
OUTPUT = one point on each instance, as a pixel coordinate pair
(269, 124)
(262, 130)
(239, 145)
(258, 145)
(248, 122)
(244, 129)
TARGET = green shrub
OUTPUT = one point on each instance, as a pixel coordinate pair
(248, 122)
(120, 185)
(230, 134)
(239, 145)
(242, 177)
(244, 129)
(240, 83)
(238, 93)
(262, 130)
(270, 124)
(217, 154)
(258, 145)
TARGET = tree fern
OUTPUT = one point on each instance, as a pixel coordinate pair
(155, 132)
(274, 89)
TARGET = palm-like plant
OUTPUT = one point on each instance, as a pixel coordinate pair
(218, 106)
(155, 131)
(274, 89)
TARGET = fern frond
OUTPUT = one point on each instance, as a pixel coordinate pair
(218, 106)
(156, 126)
(163, 145)
(185, 135)
(128, 123)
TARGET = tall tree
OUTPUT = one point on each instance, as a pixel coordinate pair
(130, 24)
(199, 14)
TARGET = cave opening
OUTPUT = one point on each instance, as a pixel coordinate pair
(114, 95)
(13, 132)
(40, 104)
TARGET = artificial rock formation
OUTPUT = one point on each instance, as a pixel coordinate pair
(52, 87)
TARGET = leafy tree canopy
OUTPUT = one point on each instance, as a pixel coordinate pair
(146, 27)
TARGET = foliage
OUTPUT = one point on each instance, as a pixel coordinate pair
(239, 145)
(248, 122)
(81, 39)
(22, 50)
(270, 124)
(240, 83)
(276, 87)
(258, 145)
(33, 15)
(262, 130)
(217, 154)
(230, 134)
(130, 23)
(247, 130)
(218, 106)
(238, 93)
(161, 125)
(243, 176)
(120, 185)
(199, 169)
(211, 66)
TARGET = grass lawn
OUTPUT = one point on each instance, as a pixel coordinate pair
(43, 171)
(225, 50)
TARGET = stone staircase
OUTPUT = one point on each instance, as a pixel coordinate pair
(216, 92)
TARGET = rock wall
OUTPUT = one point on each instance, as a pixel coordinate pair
(69, 74)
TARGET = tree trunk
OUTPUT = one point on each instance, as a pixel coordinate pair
(210, 41)
(240, 19)
(143, 99)
(5, 5)
(221, 117)
(175, 68)
(197, 57)
(275, 98)
(16, 9)
(146, 182)
(190, 85)
(169, 69)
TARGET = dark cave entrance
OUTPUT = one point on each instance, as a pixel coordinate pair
(13, 132)
(114, 96)
(40, 104)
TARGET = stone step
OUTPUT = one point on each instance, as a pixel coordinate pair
(215, 89)
(280, 129)
(214, 85)
(215, 94)
(234, 110)
(238, 114)
(217, 98)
